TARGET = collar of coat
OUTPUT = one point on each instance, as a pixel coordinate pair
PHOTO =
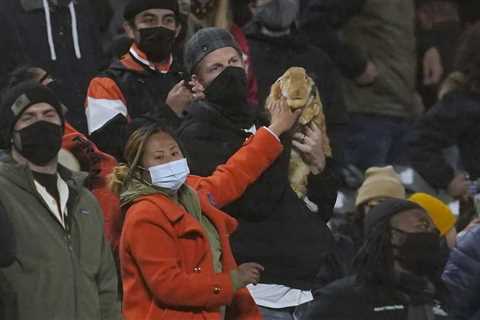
(176, 214)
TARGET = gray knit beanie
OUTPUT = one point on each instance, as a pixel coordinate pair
(204, 42)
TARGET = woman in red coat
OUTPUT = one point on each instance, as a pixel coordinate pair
(175, 254)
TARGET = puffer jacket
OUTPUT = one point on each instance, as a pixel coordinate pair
(462, 276)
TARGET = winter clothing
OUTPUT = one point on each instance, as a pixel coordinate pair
(441, 215)
(320, 21)
(276, 228)
(59, 272)
(59, 36)
(380, 183)
(272, 56)
(98, 165)
(134, 7)
(462, 276)
(384, 31)
(411, 299)
(179, 280)
(204, 42)
(7, 239)
(452, 121)
(129, 88)
(242, 41)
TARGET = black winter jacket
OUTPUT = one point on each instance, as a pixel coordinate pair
(453, 121)
(346, 299)
(272, 56)
(24, 40)
(145, 93)
(276, 229)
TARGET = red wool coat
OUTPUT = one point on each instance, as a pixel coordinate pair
(166, 261)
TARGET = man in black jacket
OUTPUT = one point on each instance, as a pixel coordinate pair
(146, 80)
(284, 233)
(398, 270)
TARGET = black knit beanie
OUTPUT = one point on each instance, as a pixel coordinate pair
(19, 98)
(386, 210)
(135, 7)
(204, 42)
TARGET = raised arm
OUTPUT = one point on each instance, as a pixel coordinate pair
(229, 181)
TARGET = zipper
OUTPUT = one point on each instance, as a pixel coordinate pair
(67, 231)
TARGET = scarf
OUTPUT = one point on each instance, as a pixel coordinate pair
(188, 199)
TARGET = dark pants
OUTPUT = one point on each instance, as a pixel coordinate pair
(375, 140)
(291, 313)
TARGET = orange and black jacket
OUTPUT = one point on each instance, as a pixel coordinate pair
(129, 88)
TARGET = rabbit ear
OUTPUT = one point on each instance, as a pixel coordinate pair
(276, 91)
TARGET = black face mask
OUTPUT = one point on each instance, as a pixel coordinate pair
(40, 142)
(156, 43)
(229, 89)
(420, 253)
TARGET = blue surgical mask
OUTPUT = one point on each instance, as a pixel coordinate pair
(171, 175)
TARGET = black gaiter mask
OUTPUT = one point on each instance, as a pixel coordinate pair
(156, 43)
(229, 88)
(420, 253)
(40, 142)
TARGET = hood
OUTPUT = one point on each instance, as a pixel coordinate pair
(294, 40)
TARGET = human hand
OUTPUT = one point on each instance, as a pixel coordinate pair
(197, 89)
(179, 97)
(311, 146)
(249, 273)
(282, 117)
(368, 76)
(432, 67)
(458, 187)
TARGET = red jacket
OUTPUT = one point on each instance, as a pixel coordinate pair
(167, 267)
(98, 164)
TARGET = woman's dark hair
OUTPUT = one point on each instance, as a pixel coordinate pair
(468, 58)
(374, 262)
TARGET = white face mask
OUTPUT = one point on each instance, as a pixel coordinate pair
(171, 175)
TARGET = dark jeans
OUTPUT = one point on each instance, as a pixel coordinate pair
(291, 313)
(375, 140)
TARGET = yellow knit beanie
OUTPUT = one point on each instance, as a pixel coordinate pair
(441, 215)
(380, 182)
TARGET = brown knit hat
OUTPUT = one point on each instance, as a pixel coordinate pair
(380, 182)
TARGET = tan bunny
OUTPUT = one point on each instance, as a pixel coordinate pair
(300, 91)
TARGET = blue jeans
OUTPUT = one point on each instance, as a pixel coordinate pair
(291, 313)
(375, 140)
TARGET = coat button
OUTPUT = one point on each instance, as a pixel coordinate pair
(197, 270)
(217, 290)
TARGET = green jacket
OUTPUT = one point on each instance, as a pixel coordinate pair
(385, 32)
(58, 274)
